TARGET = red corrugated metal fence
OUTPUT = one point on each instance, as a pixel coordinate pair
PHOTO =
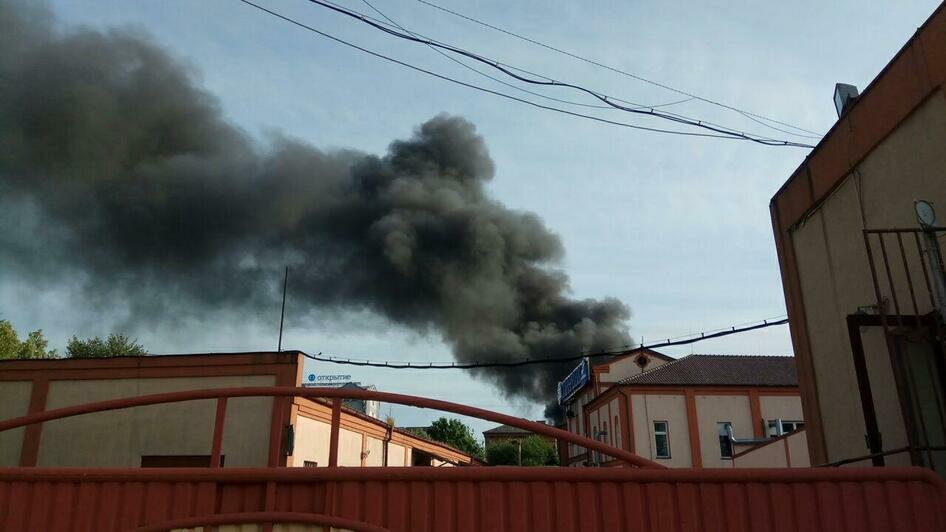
(647, 497)
(472, 499)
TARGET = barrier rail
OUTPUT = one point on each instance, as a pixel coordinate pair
(462, 499)
(336, 394)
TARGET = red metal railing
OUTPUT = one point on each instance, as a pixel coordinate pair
(336, 395)
(461, 499)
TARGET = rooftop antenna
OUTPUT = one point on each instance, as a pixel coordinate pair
(282, 314)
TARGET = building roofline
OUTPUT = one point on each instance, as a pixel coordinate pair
(868, 94)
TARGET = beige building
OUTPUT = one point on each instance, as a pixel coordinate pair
(258, 431)
(601, 377)
(861, 268)
(697, 411)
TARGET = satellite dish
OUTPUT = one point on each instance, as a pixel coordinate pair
(925, 213)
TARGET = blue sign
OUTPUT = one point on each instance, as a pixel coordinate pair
(576, 380)
(311, 377)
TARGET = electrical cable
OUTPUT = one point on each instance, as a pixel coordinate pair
(752, 116)
(484, 89)
(607, 100)
(528, 362)
(497, 80)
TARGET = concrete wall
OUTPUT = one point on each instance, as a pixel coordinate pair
(14, 402)
(312, 442)
(627, 367)
(120, 438)
(669, 408)
(835, 278)
(713, 409)
(784, 407)
(788, 451)
(375, 448)
(396, 455)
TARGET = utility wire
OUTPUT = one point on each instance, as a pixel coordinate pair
(752, 116)
(391, 23)
(532, 361)
(607, 100)
(394, 23)
(484, 89)
(480, 72)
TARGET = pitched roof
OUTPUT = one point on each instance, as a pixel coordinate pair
(507, 429)
(721, 370)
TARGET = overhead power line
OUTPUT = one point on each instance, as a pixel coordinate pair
(497, 80)
(686, 340)
(483, 89)
(752, 116)
(546, 81)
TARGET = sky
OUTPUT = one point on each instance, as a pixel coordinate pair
(676, 227)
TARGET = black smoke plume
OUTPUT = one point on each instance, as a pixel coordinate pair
(117, 170)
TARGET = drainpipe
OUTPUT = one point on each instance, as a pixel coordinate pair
(387, 438)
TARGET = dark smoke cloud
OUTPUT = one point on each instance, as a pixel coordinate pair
(138, 188)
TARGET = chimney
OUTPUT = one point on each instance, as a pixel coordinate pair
(844, 97)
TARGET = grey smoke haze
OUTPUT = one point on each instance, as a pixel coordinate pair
(117, 170)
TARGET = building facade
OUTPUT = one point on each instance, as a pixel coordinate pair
(862, 271)
(698, 411)
(258, 431)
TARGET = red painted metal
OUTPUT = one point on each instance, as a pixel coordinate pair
(333, 435)
(339, 393)
(299, 518)
(219, 418)
(480, 498)
(418, 499)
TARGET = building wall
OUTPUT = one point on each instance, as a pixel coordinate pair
(119, 438)
(835, 279)
(788, 451)
(662, 407)
(784, 407)
(625, 367)
(685, 409)
(182, 432)
(14, 402)
(713, 409)
(358, 433)
(312, 442)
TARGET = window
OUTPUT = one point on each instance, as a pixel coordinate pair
(777, 427)
(661, 439)
(723, 428)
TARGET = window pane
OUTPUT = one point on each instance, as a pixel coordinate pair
(662, 446)
(773, 428)
(725, 444)
(661, 439)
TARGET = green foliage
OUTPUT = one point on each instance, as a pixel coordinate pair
(419, 431)
(457, 434)
(35, 345)
(116, 345)
(536, 451)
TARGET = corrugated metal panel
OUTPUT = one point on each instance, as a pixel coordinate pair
(473, 499)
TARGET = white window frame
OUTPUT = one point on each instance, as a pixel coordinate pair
(666, 434)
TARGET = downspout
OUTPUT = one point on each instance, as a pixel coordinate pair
(387, 438)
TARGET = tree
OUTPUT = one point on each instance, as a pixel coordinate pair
(457, 434)
(35, 345)
(536, 451)
(116, 345)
